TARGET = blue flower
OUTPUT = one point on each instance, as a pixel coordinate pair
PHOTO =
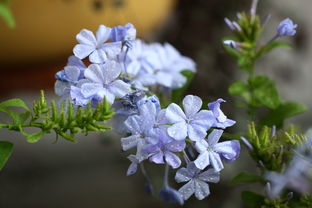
(139, 126)
(168, 64)
(193, 123)
(221, 121)
(157, 64)
(123, 33)
(103, 82)
(165, 150)
(171, 196)
(135, 160)
(70, 76)
(128, 106)
(197, 181)
(95, 46)
(286, 28)
(211, 152)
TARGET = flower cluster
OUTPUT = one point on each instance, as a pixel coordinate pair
(126, 72)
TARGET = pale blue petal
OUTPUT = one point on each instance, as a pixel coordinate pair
(82, 51)
(90, 89)
(164, 79)
(86, 37)
(132, 169)
(157, 158)
(215, 161)
(178, 131)
(201, 146)
(129, 142)
(178, 80)
(176, 146)
(204, 118)
(133, 123)
(119, 88)
(111, 71)
(201, 189)
(77, 97)
(202, 161)
(191, 105)
(196, 132)
(98, 56)
(103, 34)
(94, 73)
(214, 137)
(72, 73)
(187, 190)
(133, 68)
(229, 150)
(74, 61)
(61, 88)
(110, 97)
(172, 160)
(183, 175)
(112, 49)
(175, 114)
(210, 175)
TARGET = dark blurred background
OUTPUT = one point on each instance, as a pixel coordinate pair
(91, 173)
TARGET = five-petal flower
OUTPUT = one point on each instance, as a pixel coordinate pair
(211, 152)
(96, 47)
(103, 82)
(197, 181)
(193, 123)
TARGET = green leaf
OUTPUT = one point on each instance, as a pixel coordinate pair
(271, 46)
(264, 92)
(252, 200)
(245, 178)
(239, 88)
(286, 110)
(5, 152)
(6, 14)
(14, 115)
(24, 116)
(178, 93)
(35, 137)
(16, 102)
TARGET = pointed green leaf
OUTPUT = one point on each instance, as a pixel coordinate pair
(16, 102)
(5, 152)
(252, 200)
(14, 115)
(239, 88)
(286, 110)
(35, 137)
(245, 178)
(271, 46)
(264, 92)
(6, 14)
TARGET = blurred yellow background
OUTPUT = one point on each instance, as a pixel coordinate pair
(46, 29)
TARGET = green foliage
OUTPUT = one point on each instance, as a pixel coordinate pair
(6, 14)
(263, 92)
(65, 121)
(273, 151)
(270, 46)
(246, 178)
(252, 200)
(5, 152)
(285, 110)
